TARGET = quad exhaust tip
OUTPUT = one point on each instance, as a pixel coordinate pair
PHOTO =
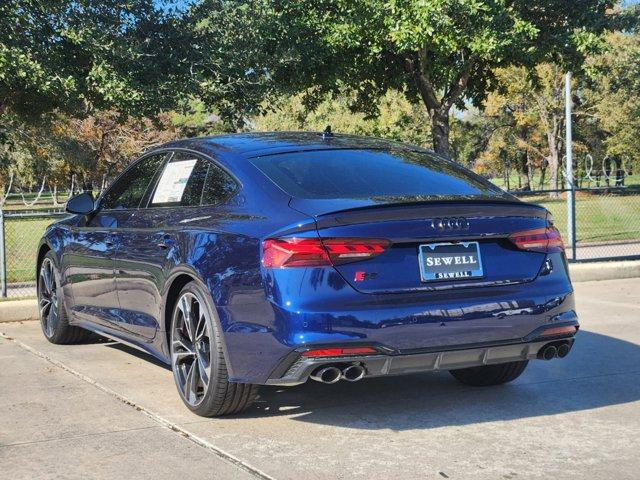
(332, 374)
(563, 350)
(327, 375)
(353, 373)
(551, 351)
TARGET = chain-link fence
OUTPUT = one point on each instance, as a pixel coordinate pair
(20, 233)
(607, 221)
(607, 227)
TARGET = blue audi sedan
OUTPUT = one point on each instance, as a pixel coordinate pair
(275, 258)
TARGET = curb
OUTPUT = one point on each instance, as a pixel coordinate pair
(588, 272)
(19, 310)
(23, 310)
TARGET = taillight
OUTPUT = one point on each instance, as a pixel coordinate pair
(314, 252)
(545, 240)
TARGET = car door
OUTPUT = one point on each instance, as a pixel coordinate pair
(89, 258)
(149, 236)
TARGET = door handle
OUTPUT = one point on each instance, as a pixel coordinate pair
(109, 243)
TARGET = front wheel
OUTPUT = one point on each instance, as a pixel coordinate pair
(197, 358)
(490, 374)
(53, 316)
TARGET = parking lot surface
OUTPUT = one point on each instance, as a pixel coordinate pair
(105, 410)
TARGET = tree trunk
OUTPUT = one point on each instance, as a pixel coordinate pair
(554, 157)
(440, 132)
(54, 195)
(522, 160)
(543, 173)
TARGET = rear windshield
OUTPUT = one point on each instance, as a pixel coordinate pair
(371, 174)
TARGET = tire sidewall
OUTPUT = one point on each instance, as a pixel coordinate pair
(215, 348)
(59, 293)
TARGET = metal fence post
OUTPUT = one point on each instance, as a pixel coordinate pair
(3, 259)
(571, 193)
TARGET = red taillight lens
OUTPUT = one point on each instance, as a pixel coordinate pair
(294, 252)
(545, 240)
(338, 352)
(310, 252)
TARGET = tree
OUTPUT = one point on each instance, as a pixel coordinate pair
(230, 57)
(92, 148)
(442, 52)
(101, 145)
(79, 55)
(613, 92)
(398, 119)
(528, 112)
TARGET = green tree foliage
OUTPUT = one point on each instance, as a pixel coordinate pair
(528, 113)
(398, 119)
(230, 54)
(613, 90)
(79, 55)
(442, 52)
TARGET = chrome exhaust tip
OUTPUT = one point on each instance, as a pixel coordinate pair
(548, 352)
(353, 373)
(563, 350)
(326, 375)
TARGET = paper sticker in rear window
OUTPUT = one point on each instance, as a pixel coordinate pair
(173, 181)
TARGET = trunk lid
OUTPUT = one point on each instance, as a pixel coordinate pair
(453, 231)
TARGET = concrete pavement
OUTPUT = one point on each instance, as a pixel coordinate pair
(102, 410)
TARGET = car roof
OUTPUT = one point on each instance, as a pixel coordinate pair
(257, 144)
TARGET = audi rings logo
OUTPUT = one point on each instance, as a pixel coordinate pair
(453, 223)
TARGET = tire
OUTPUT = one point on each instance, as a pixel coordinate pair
(490, 374)
(53, 315)
(197, 358)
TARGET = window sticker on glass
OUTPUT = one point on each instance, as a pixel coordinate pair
(173, 181)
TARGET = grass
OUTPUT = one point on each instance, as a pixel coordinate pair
(599, 218)
(22, 237)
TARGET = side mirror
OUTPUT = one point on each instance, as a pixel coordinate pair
(82, 204)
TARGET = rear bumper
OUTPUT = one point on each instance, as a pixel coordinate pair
(297, 369)
(317, 308)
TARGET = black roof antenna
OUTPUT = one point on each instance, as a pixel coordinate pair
(327, 132)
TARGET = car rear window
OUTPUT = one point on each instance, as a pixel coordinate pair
(372, 173)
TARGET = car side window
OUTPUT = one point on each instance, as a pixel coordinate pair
(189, 180)
(218, 186)
(181, 181)
(129, 189)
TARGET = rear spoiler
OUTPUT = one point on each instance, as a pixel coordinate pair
(411, 210)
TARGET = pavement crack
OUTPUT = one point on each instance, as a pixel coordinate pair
(226, 456)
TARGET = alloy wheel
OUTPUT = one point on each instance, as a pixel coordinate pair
(191, 348)
(48, 298)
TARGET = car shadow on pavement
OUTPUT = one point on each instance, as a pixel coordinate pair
(600, 371)
(136, 353)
